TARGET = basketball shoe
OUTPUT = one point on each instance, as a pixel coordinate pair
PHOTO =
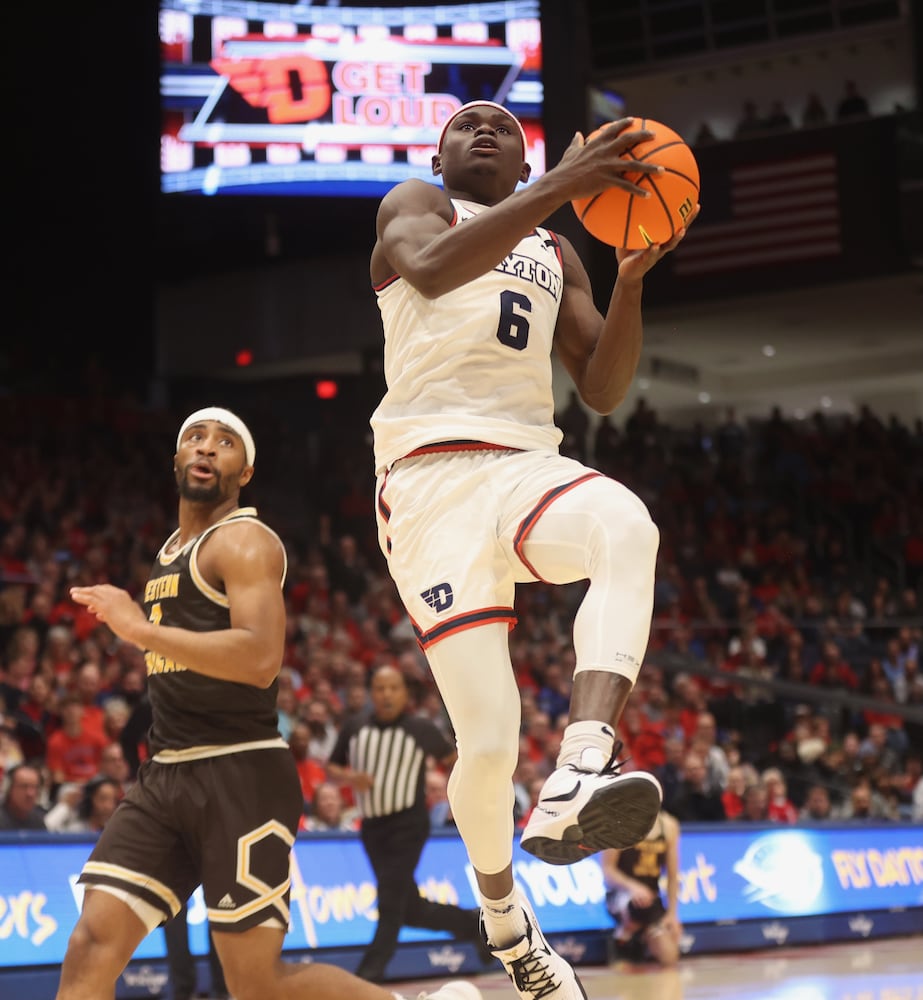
(581, 810)
(536, 970)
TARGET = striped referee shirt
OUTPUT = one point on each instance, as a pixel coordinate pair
(394, 753)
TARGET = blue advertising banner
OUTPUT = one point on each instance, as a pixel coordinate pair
(749, 873)
(729, 873)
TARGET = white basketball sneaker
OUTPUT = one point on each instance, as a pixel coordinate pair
(536, 971)
(581, 811)
(459, 990)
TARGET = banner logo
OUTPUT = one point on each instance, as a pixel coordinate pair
(782, 872)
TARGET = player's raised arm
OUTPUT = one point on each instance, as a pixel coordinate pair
(414, 231)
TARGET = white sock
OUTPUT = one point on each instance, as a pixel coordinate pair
(587, 745)
(504, 920)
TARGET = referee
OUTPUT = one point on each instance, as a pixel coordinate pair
(382, 755)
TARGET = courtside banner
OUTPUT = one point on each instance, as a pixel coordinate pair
(728, 873)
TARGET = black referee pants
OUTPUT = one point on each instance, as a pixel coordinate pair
(394, 845)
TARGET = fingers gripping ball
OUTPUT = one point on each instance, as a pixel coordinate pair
(623, 219)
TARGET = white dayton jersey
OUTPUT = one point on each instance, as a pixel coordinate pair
(473, 364)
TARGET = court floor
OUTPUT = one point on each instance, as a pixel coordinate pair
(883, 969)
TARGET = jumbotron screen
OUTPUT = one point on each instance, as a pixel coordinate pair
(303, 99)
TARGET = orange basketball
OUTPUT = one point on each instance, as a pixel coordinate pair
(623, 219)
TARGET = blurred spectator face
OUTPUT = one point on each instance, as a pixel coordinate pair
(657, 696)
(915, 693)
(39, 689)
(817, 803)
(323, 690)
(431, 705)
(298, 740)
(286, 702)
(775, 784)
(878, 735)
(19, 671)
(528, 708)
(882, 690)
(553, 745)
(357, 697)
(732, 751)
(673, 750)
(435, 787)
(737, 781)
(328, 806)
(112, 763)
(317, 713)
(26, 642)
(22, 795)
(861, 799)
(355, 672)
(102, 804)
(88, 683)
(694, 770)
(539, 728)
(133, 682)
(912, 671)
(10, 748)
(116, 716)
(831, 653)
(526, 771)
(631, 720)
(72, 714)
(41, 604)
(756, 803)
(706, 729)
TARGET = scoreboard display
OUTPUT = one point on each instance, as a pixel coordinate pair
(299, 99)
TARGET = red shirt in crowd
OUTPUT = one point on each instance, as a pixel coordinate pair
(75, 758)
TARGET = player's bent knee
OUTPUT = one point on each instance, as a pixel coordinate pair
(493, 753)
(626, 530)
(662, 945)
(81, 942)
(642, 534)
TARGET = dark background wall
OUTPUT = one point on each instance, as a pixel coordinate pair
(81, 198)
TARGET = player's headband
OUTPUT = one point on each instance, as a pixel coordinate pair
(483, 104)
(222, 416)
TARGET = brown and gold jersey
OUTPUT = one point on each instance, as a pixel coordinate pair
(646, 860)
(195, 715)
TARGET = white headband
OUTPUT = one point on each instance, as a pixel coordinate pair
(483, 104)
(222, 416)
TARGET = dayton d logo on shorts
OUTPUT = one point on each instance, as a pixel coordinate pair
(439, 598)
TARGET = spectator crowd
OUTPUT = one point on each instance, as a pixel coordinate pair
(782, 681)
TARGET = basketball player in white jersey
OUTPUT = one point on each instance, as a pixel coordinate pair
(474, 497)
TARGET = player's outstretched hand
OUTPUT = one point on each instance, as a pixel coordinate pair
(634, 264)
(114, 606)
(601, 163)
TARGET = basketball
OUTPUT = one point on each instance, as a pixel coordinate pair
(623, 219)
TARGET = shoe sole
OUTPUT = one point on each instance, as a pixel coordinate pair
(618, 816)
